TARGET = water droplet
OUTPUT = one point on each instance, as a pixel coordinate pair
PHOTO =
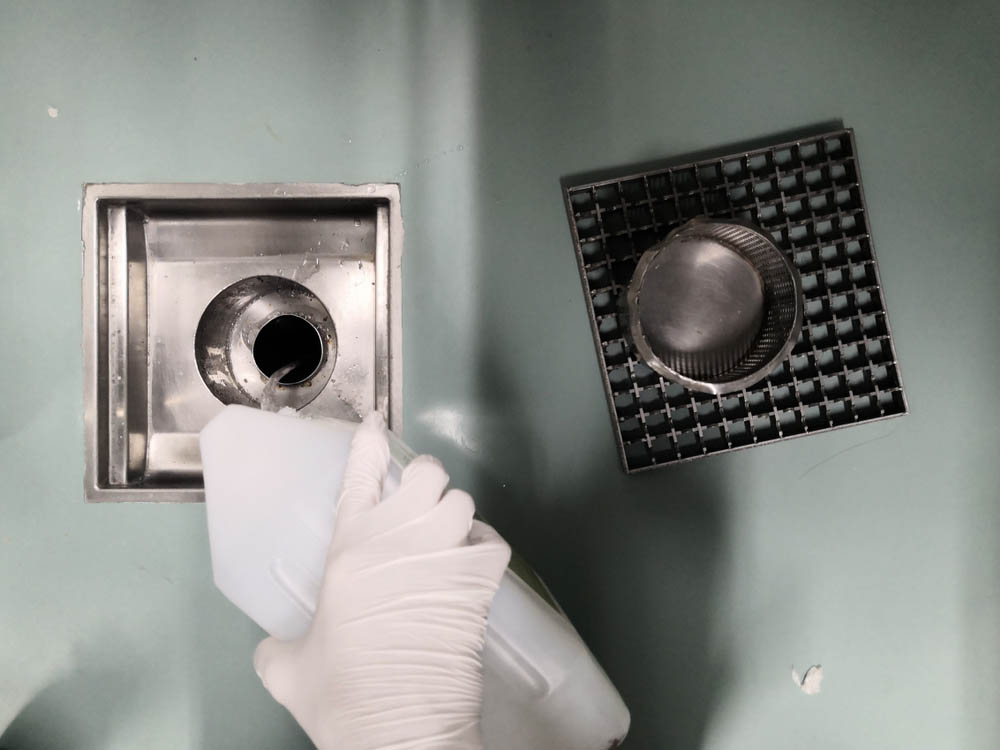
(461, 147)
(371, 188)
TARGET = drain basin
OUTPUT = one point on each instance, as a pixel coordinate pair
(257, 326)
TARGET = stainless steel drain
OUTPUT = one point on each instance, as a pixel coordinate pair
(257, 326)
(194, 294)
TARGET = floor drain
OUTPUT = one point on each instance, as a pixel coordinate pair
(285, 340)
(255, 327)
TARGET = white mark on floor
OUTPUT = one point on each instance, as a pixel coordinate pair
(863, 443)
(809, 683)
(53, 112)
(424, 162)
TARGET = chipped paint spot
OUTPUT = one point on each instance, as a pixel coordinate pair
(53, 112)
(809, 683)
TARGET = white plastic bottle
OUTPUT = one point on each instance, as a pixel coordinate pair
(271, 483)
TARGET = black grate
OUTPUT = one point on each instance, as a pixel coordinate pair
(808, 195)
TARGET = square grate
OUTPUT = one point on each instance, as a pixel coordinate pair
(807, 194)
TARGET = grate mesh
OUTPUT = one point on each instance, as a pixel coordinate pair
(808, 195)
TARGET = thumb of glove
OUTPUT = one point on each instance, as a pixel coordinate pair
(275, 664)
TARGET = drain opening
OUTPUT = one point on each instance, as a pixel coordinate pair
(287, 339)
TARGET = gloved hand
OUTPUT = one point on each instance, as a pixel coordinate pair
(393, 658)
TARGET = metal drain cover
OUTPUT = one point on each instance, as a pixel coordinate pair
(807, 194)
(715, 306)
(194, 294)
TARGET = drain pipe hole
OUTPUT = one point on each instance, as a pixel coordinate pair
(287, 339)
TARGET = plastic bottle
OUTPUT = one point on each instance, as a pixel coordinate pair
(271, 483)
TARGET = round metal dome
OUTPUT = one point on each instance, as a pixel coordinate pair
(716, 306)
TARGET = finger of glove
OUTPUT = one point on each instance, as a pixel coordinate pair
(274, 662)
(445, 526)
(367, 466)
(493, 550)
(455, 586)
(474, 569)
(423, 482)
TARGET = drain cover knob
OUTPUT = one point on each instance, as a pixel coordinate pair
(715, 306)
(700, 306)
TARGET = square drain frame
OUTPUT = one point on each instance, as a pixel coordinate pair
(808, 195)
(155, 255)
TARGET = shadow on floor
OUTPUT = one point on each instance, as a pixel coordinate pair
(83, 709)
(636, 561)
(636, 564)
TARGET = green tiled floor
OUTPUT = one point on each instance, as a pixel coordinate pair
(874, 550)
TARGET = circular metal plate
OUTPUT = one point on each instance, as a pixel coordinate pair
(715, 306)
(701, 306)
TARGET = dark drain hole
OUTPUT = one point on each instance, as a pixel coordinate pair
(287, 339)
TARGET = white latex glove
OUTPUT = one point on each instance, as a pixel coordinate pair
(393, 657)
